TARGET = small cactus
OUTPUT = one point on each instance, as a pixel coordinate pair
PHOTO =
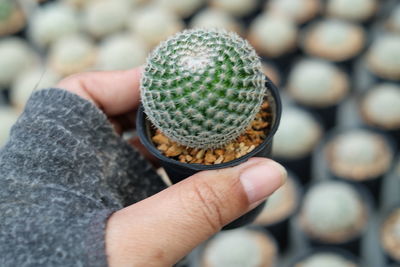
(202, 88)
(332, 207)
(240, 247)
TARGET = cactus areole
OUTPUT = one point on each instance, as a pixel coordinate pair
(202, 88)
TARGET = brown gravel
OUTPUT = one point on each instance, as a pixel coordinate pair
(247, 142)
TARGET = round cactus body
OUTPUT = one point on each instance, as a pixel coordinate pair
(202, 88)
(332, 207)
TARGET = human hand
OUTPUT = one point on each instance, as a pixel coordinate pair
(162, 229)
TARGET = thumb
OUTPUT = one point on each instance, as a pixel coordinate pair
(162, 229)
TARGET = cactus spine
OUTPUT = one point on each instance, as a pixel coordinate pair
(202, 88)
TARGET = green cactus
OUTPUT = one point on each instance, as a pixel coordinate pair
(202, 88)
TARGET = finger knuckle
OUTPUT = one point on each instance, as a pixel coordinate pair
(209, 204)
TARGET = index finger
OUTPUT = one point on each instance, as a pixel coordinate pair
(115, 92)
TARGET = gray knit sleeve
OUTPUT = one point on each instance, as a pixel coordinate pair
(62, 173)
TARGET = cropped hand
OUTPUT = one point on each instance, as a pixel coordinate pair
(161, 229)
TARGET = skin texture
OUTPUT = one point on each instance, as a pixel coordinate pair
(162, 229)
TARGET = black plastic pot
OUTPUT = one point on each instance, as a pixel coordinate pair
(353, 243)
(376, 78)
(248, 18)
(47, 2)
(324, 249)
(279, 75)
(373, 184)
(3, 97)
(348, 66)
(300, 166)
(327, 114)
(190, 17)
(284, 62)
(177, 171)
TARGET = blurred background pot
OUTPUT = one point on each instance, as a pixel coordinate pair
(335, 213)
(359, 155)
(281, 205)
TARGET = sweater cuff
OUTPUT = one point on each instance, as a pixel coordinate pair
(95, 241)
(73, 112)
(90, 145)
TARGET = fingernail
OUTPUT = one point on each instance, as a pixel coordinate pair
(262, 179)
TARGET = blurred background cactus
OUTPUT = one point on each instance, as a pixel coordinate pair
(332, 211)
(346, 92)
(202, 88)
